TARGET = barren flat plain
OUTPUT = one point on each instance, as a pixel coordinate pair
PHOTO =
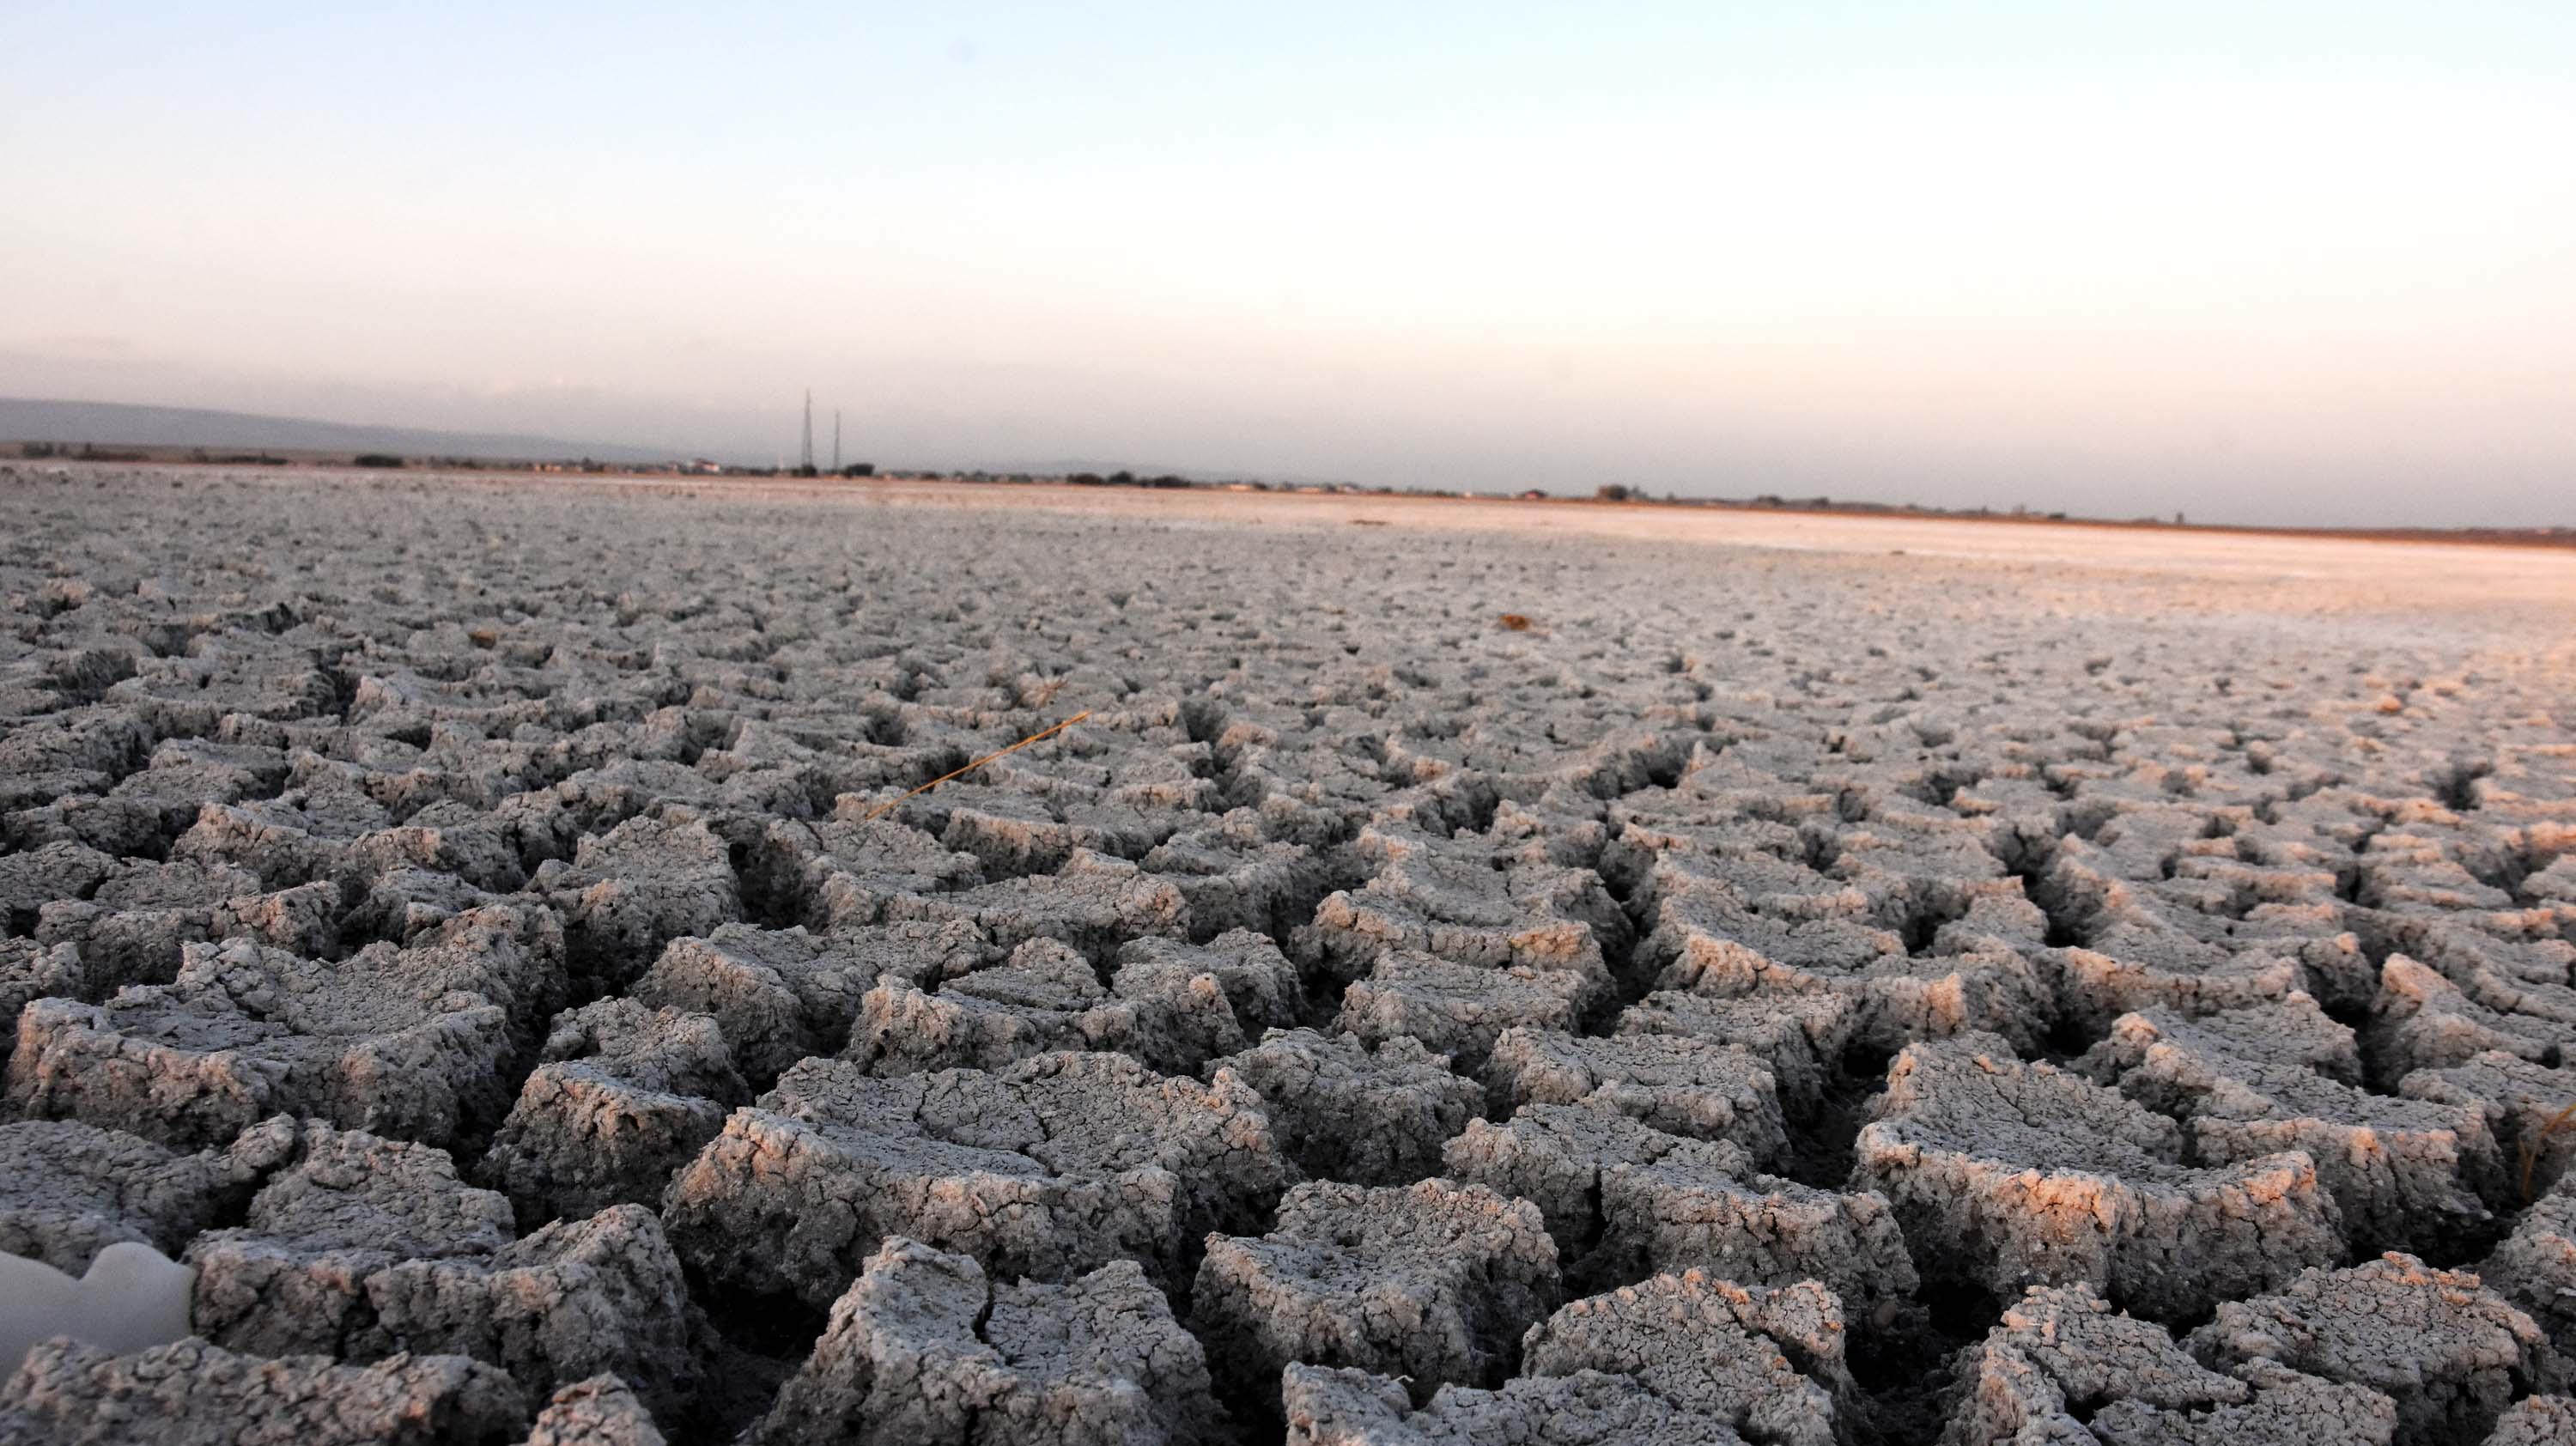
(1471, 972)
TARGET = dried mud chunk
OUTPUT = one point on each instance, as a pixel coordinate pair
(195, 1394)
(2555, 884)
(390, 1041)
(2332, 964)
(2060, 1354)
(1768, 1363)
(445, 838)
(2008, 1174)
(2520, 1101)
(2536, 1421)
(1049, 1168)
(1351, 1407)
(924, 1348)
(1758, 883)
(1234, 879)
(1686, 1210)
(1709, 939)
(2286, 1408)
(1345, 1111)
(1045, 997)
(99, 739)
(2522, 976)
(68, 1190)
(511, 953)
(1652, 855)
(124, 946)
(837, 873)
(301, 920)
(1800, 1038)
(30, 971)
(133, 929)
(2243, 1085)
(1994, 918)
(1031, 833)
(186, 884)
(1623, 1200)
(1709, 945)
(288, 840)
(1465, 908)
(1676, 1083)
(2292, 1035)
(1433, 1281)
(191, 695)
(54, 678)
(2450, 1354)
(56, 872)
(2535, 1267)
(570, 1301)
(782, 996)
(2095, 987)
(1261, 987)
(1460, 1009)
(1186, 1017)
(1921, 861)
(369, 1247)
(1094, 903)
(2422, 1021)
(601, 1411)
(29, 796)
(1984, 990)
(622, 1098)
(2400, 873)
(1557, 1156)
(2062, 1366)
(294, 1277)
(629, 892)
(400, 904)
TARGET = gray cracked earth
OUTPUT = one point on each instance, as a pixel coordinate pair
(1900, 982)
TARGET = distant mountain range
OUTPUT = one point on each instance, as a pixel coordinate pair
(115, 424)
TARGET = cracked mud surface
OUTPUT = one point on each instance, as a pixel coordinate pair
(2037, 987)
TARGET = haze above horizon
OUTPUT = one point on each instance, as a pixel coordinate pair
(2299, 264)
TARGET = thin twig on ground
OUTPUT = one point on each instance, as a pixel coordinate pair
(1052, 729)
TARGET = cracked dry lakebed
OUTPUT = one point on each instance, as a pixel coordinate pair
(1520, 973)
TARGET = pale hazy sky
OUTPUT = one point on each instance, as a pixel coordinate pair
(2277, 262)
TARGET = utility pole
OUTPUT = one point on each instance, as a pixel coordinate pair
(806, 462)
(836, 439)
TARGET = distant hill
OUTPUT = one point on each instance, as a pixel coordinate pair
(115, 424)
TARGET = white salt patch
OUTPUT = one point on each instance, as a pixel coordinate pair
(133, 1297)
